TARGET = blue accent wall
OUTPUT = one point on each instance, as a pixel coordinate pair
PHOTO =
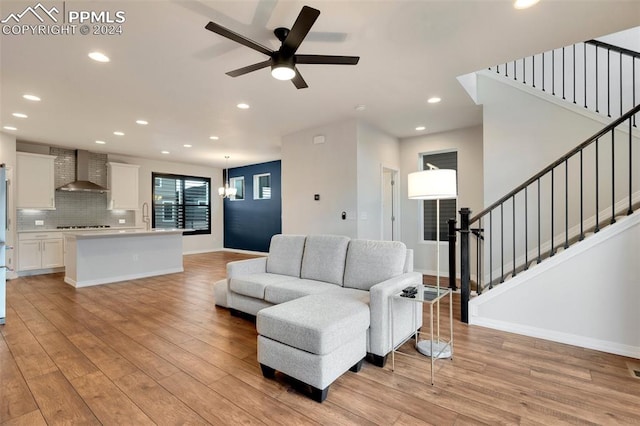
(249, 224)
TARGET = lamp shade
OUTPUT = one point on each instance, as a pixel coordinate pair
(435, 184)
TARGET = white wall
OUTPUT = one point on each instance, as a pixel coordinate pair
(587, 296)
(327, 169)
(376, 150)
(468, 143)
(191, 243)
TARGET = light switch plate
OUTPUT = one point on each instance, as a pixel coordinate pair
(121, 221)
(39, 222)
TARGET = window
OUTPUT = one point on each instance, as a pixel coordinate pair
(262, 186)
(238, 184)
(182, 202)
(442, 160)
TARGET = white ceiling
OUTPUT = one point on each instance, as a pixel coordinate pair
(167, 69)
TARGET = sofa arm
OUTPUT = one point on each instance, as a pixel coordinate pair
(245, 267)
(407, 316)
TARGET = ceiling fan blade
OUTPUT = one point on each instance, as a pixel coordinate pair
(326, 59)
(249, 68)
(231, 35)
(299, 30)
(298, 81)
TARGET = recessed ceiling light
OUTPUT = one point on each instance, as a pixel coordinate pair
(9, 128)
(360, 107)
(524, 4)
(31, 97)
(19, 115)
(420, 128)
(165, 152)
(434, 100)
(99, 57)
(214, 138)
(243, 106)
(100, 142)
(142, 122)
(187, 145)
(118, 133)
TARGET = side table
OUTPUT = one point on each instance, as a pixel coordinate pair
(431, 296)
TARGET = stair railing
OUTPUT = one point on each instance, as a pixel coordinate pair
(575, 195)
(599, 76)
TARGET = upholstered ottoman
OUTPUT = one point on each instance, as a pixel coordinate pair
(314, 339)
(220, 293)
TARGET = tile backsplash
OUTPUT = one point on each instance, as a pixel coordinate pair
(76, 208)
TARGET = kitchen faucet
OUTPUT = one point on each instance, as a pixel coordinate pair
(145, 215)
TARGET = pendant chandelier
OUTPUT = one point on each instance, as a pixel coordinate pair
(226, 191)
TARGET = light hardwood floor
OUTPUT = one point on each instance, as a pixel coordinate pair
(156, 350)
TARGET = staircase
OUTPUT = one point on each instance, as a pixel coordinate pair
(575, 197)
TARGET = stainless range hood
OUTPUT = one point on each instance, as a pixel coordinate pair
(82, 182)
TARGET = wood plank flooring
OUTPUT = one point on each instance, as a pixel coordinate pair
(157, 351)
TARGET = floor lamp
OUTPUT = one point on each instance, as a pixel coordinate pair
(434, 184)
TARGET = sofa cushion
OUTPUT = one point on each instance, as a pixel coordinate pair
(285, 254)
(371, 262)
(324, 258)
(253, 285)
(293, 289)
(319, 323)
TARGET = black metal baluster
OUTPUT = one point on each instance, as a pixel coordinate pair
(563, 73)
(566, 203)
(574, 73)
(581, 201)
(526, 230)
(613, 177)
(553, 250)
(630, 210)
(506, 70)
(633, 77)
(524, 70)
(513, 225)
(585, 73)
(490, 249)
(597, 107)
(597, 228)
(515, 71)
(539, 231)
(533, 60)
(497, 69)
(478, 245)
(553, 72)
(608, 83)
(543, 71)
(621, 112)
(502, 242)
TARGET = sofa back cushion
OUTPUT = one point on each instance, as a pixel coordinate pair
(371, 262)
(285, 254)
(324, 258)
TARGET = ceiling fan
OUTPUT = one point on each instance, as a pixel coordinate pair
(283, 61)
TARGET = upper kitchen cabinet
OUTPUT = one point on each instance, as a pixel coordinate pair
(35, 184)
(123, 186)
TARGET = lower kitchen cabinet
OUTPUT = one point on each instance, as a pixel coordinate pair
(40, 251)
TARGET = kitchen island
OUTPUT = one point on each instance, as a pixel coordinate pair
(102, 257)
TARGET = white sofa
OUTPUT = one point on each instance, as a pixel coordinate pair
(365, 270)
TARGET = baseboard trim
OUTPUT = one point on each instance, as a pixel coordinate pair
(232, 250)
(560, 337)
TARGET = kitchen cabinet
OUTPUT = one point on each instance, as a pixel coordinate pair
(40, 251)
(35, 184)
(123, 186)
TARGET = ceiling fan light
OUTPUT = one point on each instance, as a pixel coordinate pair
(283, 72)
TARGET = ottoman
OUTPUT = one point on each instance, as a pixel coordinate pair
(314, 339)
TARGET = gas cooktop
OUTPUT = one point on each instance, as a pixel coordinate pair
(84, 227)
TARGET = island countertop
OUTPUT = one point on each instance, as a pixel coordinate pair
(84, 234)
